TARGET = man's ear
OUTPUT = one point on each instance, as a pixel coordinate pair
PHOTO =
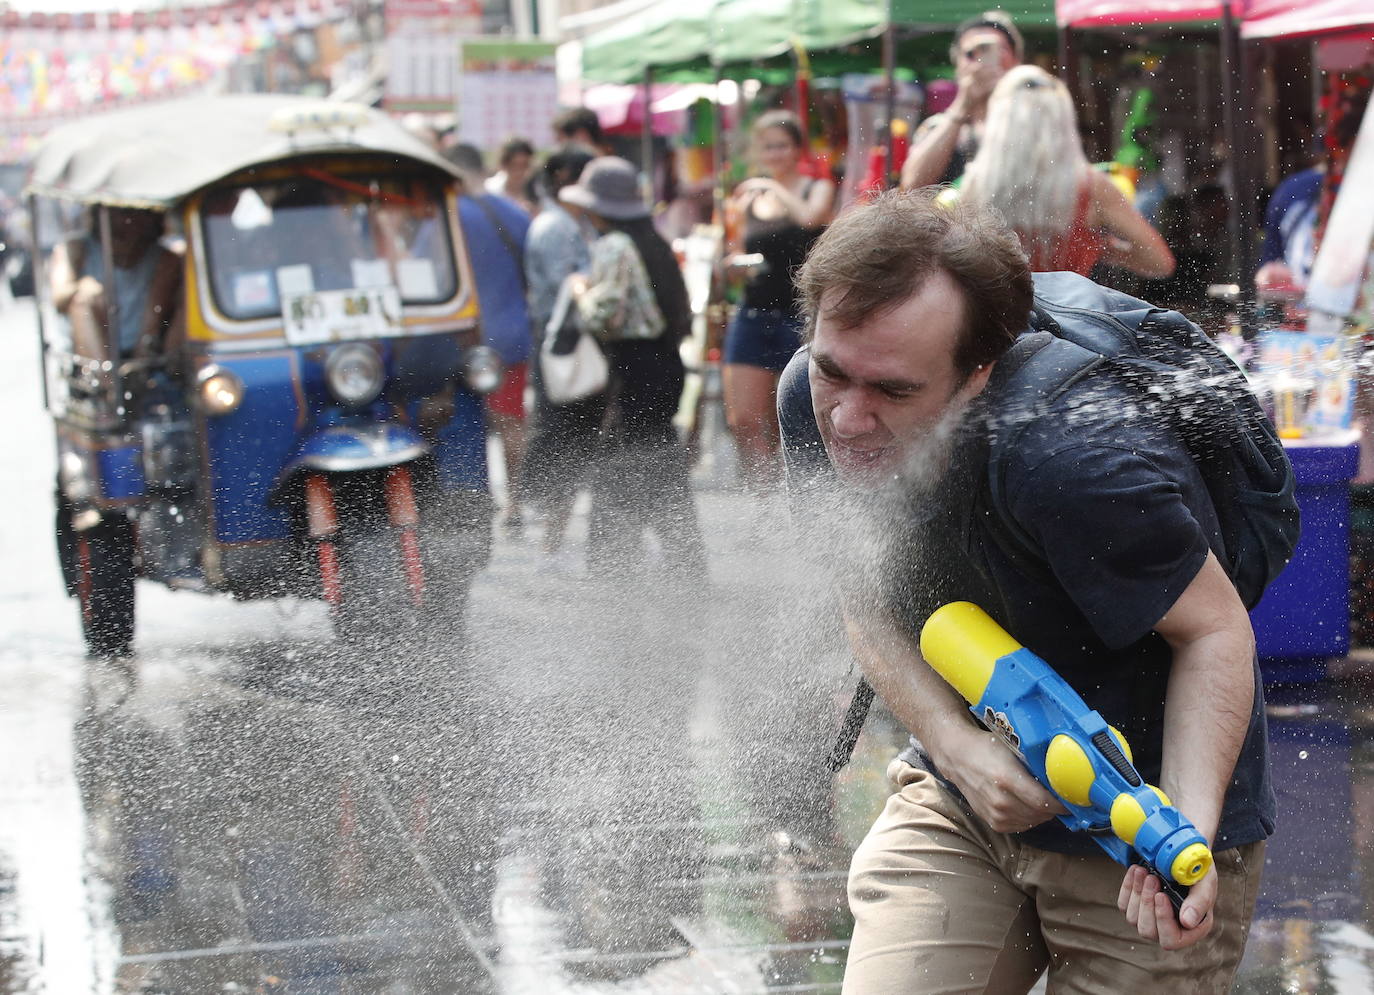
(977, 380)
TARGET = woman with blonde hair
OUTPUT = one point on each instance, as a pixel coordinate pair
(1031, 168)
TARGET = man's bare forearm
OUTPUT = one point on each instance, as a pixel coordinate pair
(1206, 716)
(996, 785)
(930, 156)
(915, 694)
(1210, 696)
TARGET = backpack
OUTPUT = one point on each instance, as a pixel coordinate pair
(1180, 377)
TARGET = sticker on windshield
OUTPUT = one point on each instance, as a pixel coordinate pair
(417, 279)
(340, 315)
(253, 291)
(371, 273)
(295, 279)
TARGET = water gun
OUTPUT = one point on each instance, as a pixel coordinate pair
(1068, 747)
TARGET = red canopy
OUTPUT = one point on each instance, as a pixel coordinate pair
(1293, 18)
(620, 108)
(1258, 18)
(1112, 13)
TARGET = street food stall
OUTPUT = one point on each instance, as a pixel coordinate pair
(797, 43)
(1303, 367)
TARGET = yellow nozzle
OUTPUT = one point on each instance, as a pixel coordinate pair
(1192, 864)
(963, 645)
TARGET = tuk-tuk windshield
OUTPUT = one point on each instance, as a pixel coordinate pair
(268, 241)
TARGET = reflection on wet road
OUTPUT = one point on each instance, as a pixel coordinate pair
(606, 788)
(609, 784)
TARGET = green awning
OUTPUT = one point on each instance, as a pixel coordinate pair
(947, 13)
(667, 33)
(685, 39)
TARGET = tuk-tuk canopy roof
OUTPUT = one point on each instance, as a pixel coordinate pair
(155, 155)
(670, 33)
(1258, 18)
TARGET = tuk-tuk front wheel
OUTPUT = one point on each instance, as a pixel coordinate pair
(102, 566)
(368, 552)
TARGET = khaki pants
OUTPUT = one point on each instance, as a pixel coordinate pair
(943, 904)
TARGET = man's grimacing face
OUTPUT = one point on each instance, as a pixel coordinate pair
(881, 388)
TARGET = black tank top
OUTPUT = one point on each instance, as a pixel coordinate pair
(783, 244)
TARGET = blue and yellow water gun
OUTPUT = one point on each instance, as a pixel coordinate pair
(1068, 747)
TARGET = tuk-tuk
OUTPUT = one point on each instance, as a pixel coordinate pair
(262, 357)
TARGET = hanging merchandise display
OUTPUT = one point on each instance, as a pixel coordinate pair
(866, 99)
(58, 66)
(1349, 154)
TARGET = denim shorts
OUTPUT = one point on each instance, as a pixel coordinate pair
(761, 337)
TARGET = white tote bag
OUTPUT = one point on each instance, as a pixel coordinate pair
(576, 374)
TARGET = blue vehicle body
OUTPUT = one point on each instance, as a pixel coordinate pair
(255, 452)
(309, 405)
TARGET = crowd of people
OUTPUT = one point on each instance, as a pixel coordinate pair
(576, 227)
(1008, 141)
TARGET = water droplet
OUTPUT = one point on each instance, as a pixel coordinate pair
(1302, 754)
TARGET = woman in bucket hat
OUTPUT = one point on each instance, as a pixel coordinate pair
(635, 302)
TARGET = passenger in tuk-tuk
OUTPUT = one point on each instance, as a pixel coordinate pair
(147, 281)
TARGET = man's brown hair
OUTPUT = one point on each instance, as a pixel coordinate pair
(876, 255)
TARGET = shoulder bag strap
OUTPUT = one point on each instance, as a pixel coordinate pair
(483, 202)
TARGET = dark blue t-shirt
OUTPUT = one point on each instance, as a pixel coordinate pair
(498, 267)
(1122, 523)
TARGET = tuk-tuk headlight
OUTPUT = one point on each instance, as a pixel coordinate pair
(482, 369)
(220, 390)
(354, 374)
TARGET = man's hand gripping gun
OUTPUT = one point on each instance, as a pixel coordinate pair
(1067, 746)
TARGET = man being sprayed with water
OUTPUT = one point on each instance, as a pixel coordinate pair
(967, 882)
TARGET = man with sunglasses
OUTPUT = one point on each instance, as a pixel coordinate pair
(984, 48)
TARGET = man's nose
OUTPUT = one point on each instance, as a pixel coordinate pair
(852, 415)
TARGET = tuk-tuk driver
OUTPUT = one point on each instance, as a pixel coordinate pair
(147, 279)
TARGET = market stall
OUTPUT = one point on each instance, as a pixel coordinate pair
(1304, 364)
(1260, 57)
(1186, 68)
(790, 42)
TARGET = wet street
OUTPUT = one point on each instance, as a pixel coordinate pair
(599, 787)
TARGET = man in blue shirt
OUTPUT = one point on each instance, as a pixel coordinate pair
(966, 881)
(147, 277)
(494, 229)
